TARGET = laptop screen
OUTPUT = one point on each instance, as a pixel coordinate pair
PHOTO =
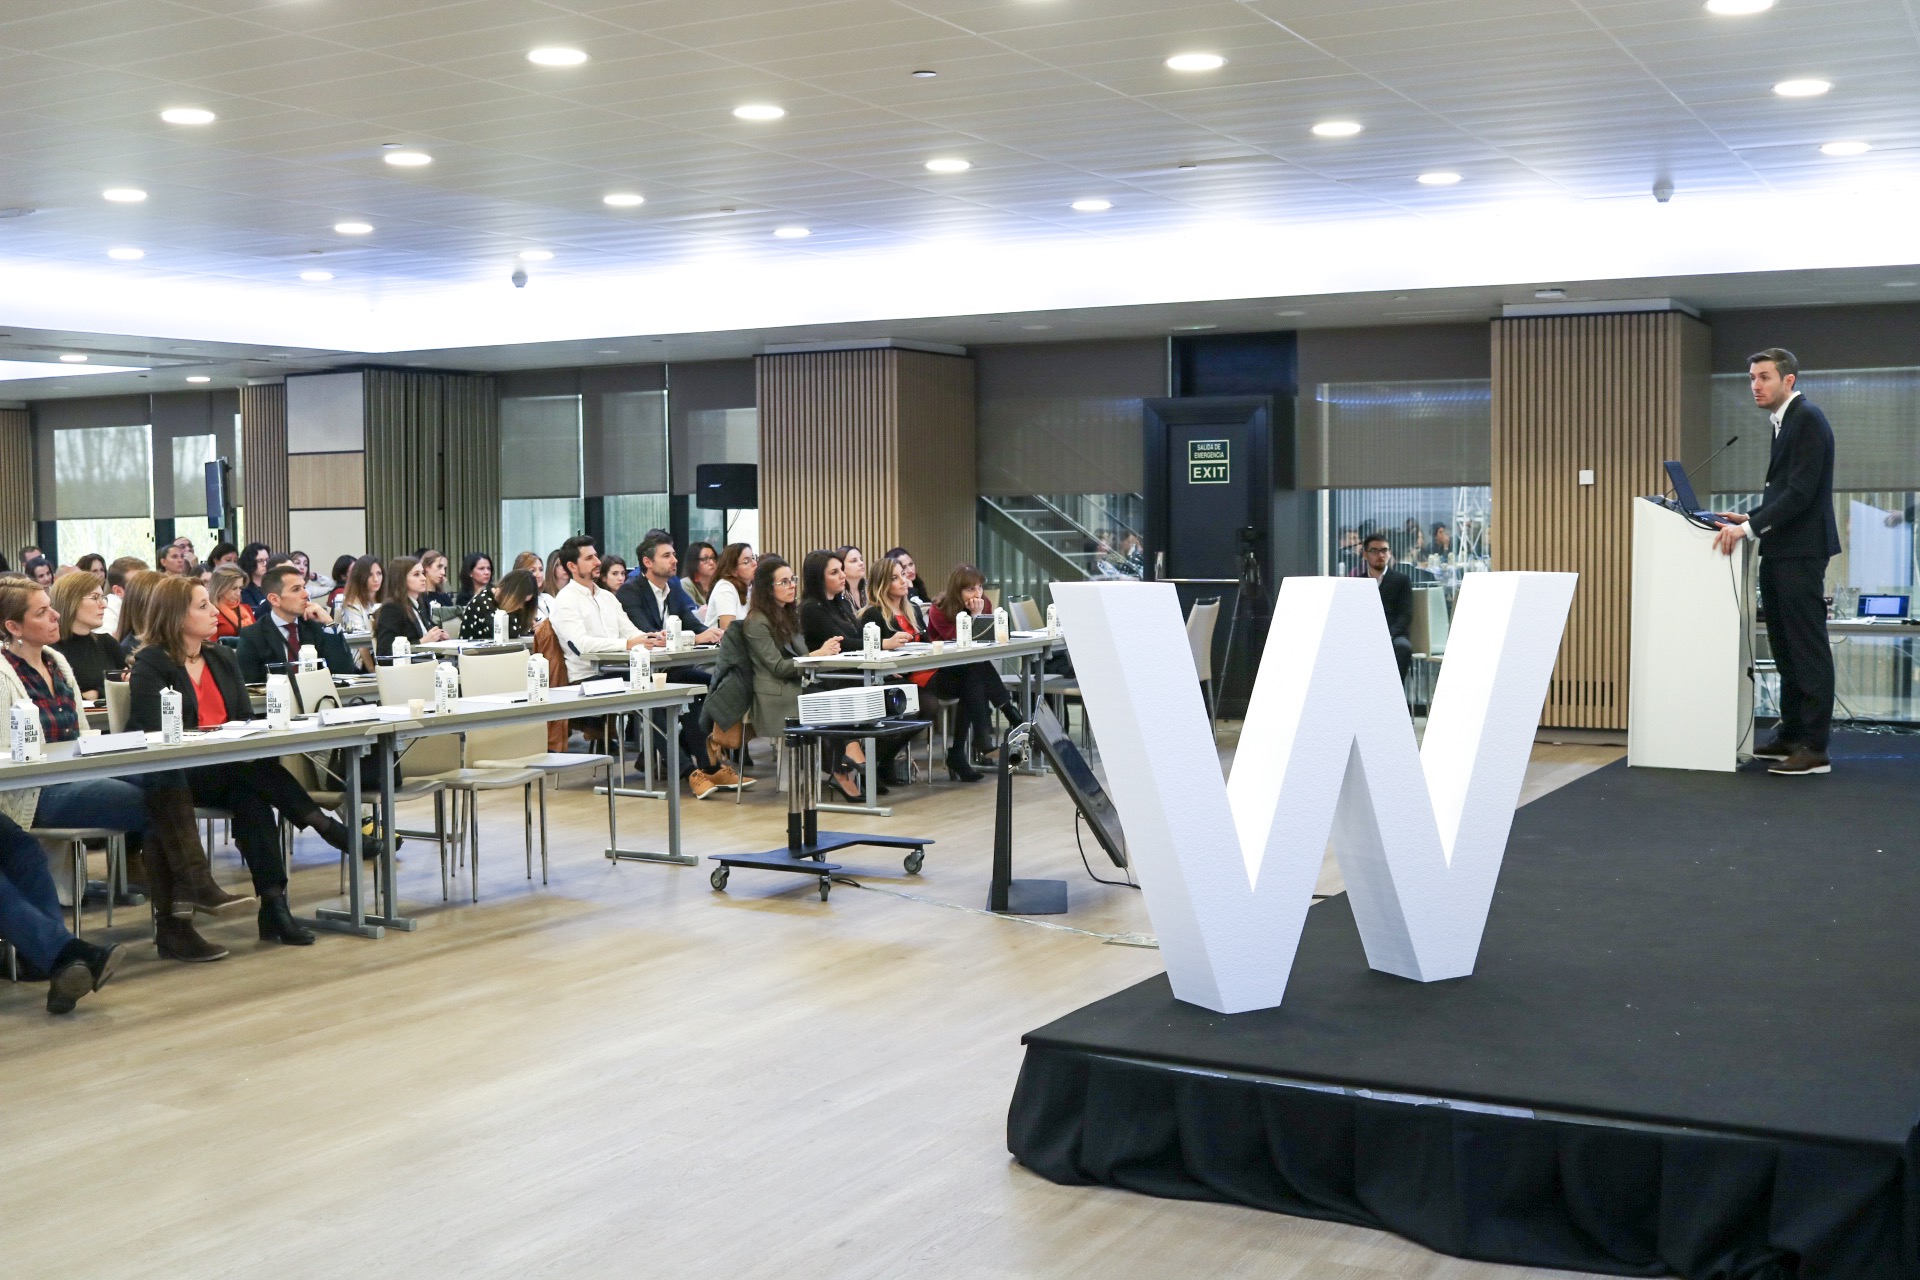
(1883, 606)
(1682, 487)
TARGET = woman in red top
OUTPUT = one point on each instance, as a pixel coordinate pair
(225, 588)
(180, 654)
(976, 685)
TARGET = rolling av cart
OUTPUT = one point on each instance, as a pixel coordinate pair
(807, 845)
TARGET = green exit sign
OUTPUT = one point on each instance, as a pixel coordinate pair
(1209, 462)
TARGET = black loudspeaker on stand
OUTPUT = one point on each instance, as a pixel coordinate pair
(1007, 895)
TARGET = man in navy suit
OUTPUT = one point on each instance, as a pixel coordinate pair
(1798, 535)
(654, 594)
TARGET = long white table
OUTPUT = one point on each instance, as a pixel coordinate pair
(62, 762)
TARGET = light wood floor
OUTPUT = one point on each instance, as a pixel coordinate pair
(622, 1074)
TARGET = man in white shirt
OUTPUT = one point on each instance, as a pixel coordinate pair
(587, 620)
(117, 574)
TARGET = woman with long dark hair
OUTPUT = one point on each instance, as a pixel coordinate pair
(732, 584)
(774, 640)
(977, 686)
(253, 562)
(824, 607)
(476, 575)
(703, 570)
(405, 608)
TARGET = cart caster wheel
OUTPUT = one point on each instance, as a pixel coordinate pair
(719, 878)
(826, 887)
(914, 860)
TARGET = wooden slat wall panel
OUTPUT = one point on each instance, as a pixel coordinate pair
(937, 477)
(16, 481)
(1618, 394)
(263, 446)
(869, 447)
(322, 481)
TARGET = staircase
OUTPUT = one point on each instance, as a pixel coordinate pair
(1030, 540)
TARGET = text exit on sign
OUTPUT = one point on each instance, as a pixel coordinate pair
(1209, 462)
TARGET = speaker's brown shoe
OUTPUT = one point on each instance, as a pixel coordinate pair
(1774, 748)
(1804, 760)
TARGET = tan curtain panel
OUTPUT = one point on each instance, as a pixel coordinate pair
(1389, 435)
(263, 468)
(432, 463)
(16, 480)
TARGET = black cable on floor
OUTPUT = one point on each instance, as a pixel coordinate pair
(1128, 883)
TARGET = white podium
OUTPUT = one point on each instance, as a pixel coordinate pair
(1690, 699)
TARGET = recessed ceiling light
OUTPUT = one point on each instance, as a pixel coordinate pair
(623, 199)
(1437, 179)
(792, 233)
(73, 357)
(1036, 326)
(1802, 88)
(556, 56)
(606, 351)
(1846, 148)
(1550, 295)
(1289, 313)
(188, 115)
(536, 255)
(759, 111)
(407, 159)
(1738, 8)
(948, 165)
(1190, 328)
(1903, 284)
(1092, 206)
(923, 75)
(198, 377)
(124, 195)
(1196, 62)
(316, 277)
(353, 228)
(125, 254)
(1337, 128)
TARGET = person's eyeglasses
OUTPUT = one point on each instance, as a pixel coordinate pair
(94, 596)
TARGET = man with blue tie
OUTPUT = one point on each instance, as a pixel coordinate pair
(1798, 535)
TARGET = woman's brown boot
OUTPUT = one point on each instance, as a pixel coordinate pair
(173, 936)
(174, 838)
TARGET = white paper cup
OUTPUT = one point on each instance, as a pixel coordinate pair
(416, 707)
(659, 679)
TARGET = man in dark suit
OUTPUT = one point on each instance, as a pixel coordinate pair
(289, 621)
(1798, 535)
(1396, 595)
(653, 594)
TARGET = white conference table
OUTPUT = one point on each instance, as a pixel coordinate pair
(698, 657)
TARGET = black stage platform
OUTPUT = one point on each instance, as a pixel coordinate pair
(1691, 1046)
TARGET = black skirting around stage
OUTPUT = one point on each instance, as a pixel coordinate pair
(1691, 1046)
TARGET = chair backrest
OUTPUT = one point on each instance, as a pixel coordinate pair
(1428, 633)
(119, 705)
(314, 690)
(482, 673)
(1025, 614)
(400, 683)
(1200, 620)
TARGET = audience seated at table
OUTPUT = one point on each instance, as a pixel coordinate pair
(476, 575)
(117, 574)
(654, 594)
(904, 558)
(774, 639)
(976, 685)
(180, 655)
(517, 596)
(703, 566)
(290, 622)
(587, 620)
(433, 564)
(854, 563)
(39, 569)
(824, 607)
(362, 598)
(93, 655)
(156, 805)
(337, 593)
(732, 582)
(404, 609)
(226, 587)
(901, 618)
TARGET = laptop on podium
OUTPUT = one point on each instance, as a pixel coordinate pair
(1685, 498)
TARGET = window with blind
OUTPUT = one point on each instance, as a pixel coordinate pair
(631, 478)
(1410, 460)
(108, 473)
(542, 487)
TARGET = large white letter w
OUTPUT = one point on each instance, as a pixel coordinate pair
(1228, 867)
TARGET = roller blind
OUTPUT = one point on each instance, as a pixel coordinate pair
(104, 472)
(1373, 435)
(633, 444)
(191, 454)
(1875, 414)
(540, 447)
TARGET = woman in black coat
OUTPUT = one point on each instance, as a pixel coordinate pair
(180, 654)
(406, 608)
